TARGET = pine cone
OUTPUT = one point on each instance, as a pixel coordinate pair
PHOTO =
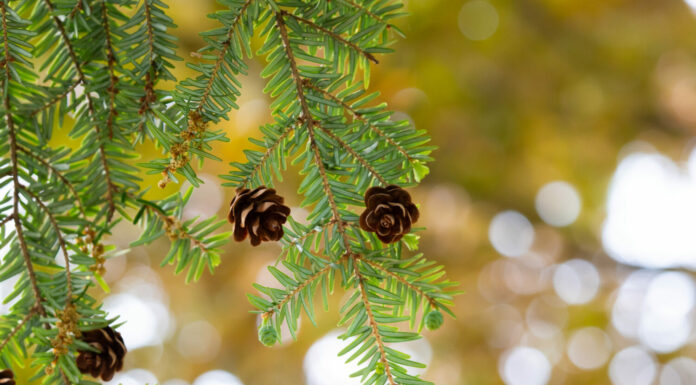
(108, 360)
(259, 212)
(389, 212)
(7, 377)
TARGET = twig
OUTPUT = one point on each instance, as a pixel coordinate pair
(59, 235)
(332, 202)
(110, 61)
(15, 166)
(401, 279)
(355, 155)
(60, 176)
(56, 99)
(265, 156)
(333, 34)
(367, 12)
(357, 115)
(294, 292)
(90, 105)
(6, 219)
(17, 328)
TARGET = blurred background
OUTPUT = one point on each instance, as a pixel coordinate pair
(563, 199)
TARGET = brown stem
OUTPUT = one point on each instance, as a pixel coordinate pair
(59, 235)
(265, 156)
(15, 166)
(360, 117)
(56, 99)
(333, 35)
(355, 155)
(334, 208)
(6, 219)
(90, 106)
(401, 279)
(60, 176)
(110, 61)
(294, 292)
(367, 12)
(17, 328)
(221, 56)
(373, 324)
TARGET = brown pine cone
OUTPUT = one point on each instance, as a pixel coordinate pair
(389, 212)
(108, 360)
(7, 377)
(259, 212)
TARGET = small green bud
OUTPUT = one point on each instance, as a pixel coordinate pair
(379, 368)
(268, 335)
(433, 320)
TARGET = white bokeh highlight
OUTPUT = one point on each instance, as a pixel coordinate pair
(558, 203)
(134, 377)
(146, 321)
(524, 365)
(679, 371)
(589, 348)
(633, 366)
(217, 377)
(651, 212)
(576, 281)
(511, 233)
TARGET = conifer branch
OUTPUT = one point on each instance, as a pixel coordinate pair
(60, 176)
(57, 98)
(291, 294)
(355, 155)
(6, 219)
(18, 327)
(59, 235)
(366, 11)
(372, 322)
(113, 79)
(267, 154)
(357, 115)
(333, 35)
(410, 285)
(15, 165)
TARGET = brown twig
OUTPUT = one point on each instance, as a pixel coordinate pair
(295, 291)
(327, 188)
(355, 155)
(6, 219)
(61, 241)
(333, 35)
(357, 115)
(265, 156)
(17, 328)
(401, 279)
(15, 166)
(56, 99)
(90, 106)
(110, 61)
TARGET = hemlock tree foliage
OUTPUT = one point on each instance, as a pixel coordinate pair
(95, 66)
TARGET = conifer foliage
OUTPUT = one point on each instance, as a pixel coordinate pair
(92, 70)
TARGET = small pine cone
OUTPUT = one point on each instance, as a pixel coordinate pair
(433, 320)
(259, 212)
(268, 335)
(108, 360)
(7, 377)
(389, 212)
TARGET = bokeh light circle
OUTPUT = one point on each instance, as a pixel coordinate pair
(511, 233)
(589, 348)
(524, 365)
(576, 281)
(217, 377)
(478, 20)
(558, 203)
(632, 366)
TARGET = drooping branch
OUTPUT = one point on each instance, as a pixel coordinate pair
(290, 295)
(354, 154)
(410, 285)
(333, 35)
(18, 327)
(266, 155)
(15, 166)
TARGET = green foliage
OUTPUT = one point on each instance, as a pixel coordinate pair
(96, 65)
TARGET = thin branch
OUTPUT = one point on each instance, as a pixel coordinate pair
(59, 235)
(221, 55)
(357, 115)
(60, 176)
(355, 154)
(315, 230)
(296, 290)
(307, 116)
(401, 279)
(373, 324)
(170, 222)
(110, 61)
(90, 105)
(332, 202)
(6, 219)
(333, 35)
(56, 99)
(265, 156)
(367, 12)
(17, 328)
(15, 166)
(149, 97)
